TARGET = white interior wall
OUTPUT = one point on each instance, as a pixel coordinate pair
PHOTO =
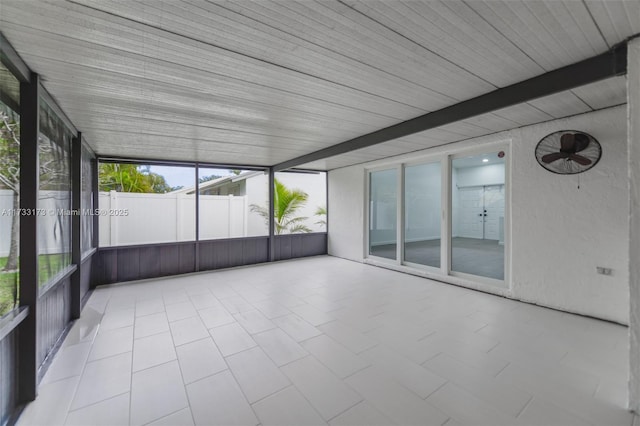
(559, 232)
(422, 198)
(491, 174)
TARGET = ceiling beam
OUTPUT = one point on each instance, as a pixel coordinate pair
(609, 64)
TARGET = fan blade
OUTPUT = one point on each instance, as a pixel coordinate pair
(568, 143)
(550, 158)
(580, 159)
(582, 142)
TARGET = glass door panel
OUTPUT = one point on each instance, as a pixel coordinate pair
(383, 213)
(477, 215)
(422, 196)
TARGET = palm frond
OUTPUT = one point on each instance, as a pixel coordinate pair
(286, 202)
(299, 229)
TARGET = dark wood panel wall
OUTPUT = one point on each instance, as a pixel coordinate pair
(299, 245)
(85, 278)
(119, 264)
(8, 376)
(54, 314)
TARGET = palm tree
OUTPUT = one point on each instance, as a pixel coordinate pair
(322, 213)
(285, 205)
(122, 177)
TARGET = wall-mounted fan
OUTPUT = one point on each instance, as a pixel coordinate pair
(568, 152)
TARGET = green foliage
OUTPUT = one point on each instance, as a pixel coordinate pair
(286, 203)
(322, 213)
(8, 291)
(9, 282)
(204, 179)
(130, 178)
(9, 151)
(48, 266)
(10, 176)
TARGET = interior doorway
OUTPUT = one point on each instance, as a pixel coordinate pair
(481, 212)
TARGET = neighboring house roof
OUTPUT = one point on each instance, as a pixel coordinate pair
(216, 183)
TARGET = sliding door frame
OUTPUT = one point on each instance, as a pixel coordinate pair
(399, 209)
(505, 283)
(434, 159)
(444, 272)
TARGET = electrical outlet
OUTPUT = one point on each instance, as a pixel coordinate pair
(604, 271)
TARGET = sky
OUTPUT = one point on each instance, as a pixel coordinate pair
(184, 176)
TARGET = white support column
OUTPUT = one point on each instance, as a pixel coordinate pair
(633, 140)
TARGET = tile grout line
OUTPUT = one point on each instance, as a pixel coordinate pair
(242, 391)
(529, 401)
(131, 372)
(75, 391)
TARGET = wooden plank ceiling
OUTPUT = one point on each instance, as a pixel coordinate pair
(261, 82)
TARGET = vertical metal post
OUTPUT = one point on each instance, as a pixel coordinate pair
(29, 182)
(326, 208)
(197, 186)
(95, 194)
(445, 219)
(76, 188)
(400, 212)
(272, 241)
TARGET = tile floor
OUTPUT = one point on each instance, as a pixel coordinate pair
(327, 341)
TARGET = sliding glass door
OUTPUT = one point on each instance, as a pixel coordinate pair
(477, 215)
(383, 217)
(422, 218)
(445, 215)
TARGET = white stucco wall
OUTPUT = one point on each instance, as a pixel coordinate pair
(559, 233)
(346, 213)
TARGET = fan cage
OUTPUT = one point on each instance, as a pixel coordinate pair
(551, 144)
